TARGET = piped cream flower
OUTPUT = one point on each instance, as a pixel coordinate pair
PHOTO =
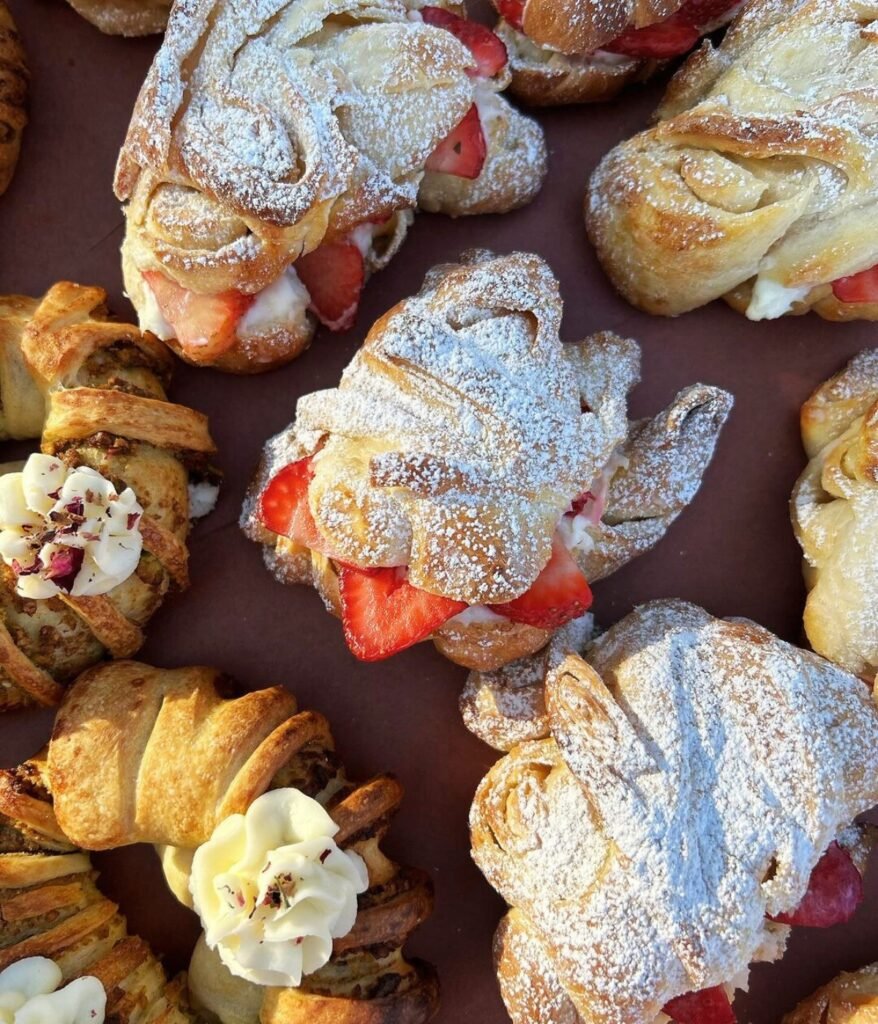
(30, 994)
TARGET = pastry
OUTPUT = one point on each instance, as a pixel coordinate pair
(125, 17)
(757, 182)
(583, 51)
(168, 757)
(276, 154)
(76, 583)
(848, 999)
(13, 96)
(690, 805)
(835, 516)
(471, 475)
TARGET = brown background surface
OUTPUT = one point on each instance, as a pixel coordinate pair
(732, 552)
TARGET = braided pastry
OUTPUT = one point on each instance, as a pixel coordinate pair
(94, 390)
(125, 17)
(13, 96)
(691, 802)
(835, 516)
(757, 184)
(851, 998)
(470, 472)
(50, 907)
(148, 755)
(275, 154)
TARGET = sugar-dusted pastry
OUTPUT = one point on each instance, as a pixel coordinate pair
(125, 17)
(277, 151)
(835, 516)
(93, 528)
(758, 181)
(470, 475)
(261, 832)
(850, 998)
(13, 96)
(691, 803)
(583, 51)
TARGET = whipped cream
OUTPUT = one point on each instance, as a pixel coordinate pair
(151, 318)
(771, 299)
(282, 302)
(30, 994)
(273, 890)
(202, 498)
(67, 530)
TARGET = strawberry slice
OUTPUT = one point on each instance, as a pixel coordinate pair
(658, 42)
(383, 613)
(834, 892)
(487, 49)
(334, 275)
(559, 594)
(513, 12)
(709, 1006)
(463, 152)
(283, 505)
(862, 287)
(204, 324)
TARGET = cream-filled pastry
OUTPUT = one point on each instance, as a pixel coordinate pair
(471, 475)
(690, 801)
(277, 152)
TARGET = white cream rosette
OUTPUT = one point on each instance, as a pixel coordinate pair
(30, 994)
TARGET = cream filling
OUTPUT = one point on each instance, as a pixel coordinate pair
(151, 318)
(202, 498)
(284, 301)
(30, 994)
(771, 299)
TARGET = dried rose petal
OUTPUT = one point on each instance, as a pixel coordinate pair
(64, 566)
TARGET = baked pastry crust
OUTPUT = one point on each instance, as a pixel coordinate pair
(258, 137)
(757, 182)
(835, 516)
(14, 77)
(850, 998)
(151, 755)
(652, 751)
(94, 391)
(463, 416)
(125, 17)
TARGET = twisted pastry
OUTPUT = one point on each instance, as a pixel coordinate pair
(13, 96)
(468, 446)
(94, 390)
(51, 907)
(835, 516)
(275, 153)
(125, 17)
(691, 803)
(148, 755)
(757, 184)
(850, 998)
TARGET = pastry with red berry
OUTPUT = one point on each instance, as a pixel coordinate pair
(757, 184)
(278, 150)
(471, 476)
(585, 51)
(688, 805)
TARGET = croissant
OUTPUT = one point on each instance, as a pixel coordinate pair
(125, 17)
(584, 51)
(94, 391)
(277, 151)
(150, 755)
(51, 907)
(851, 998)
(691, 803)
(835, 516)
(14, 78)
(470, 473)
(757, 183)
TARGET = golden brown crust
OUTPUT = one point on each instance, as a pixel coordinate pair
(850, 998)
(14, 78)
(125, 17)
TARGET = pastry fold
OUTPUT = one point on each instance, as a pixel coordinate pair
(14, 77)
(757, 182)
(125, 17)
(94, 391)
(850, 998)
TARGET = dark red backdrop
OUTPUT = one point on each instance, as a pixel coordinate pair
(733, 551)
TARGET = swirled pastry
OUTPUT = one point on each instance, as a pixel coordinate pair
(13, 96)
(692, 803)
(583, 51)
(835, 516)
(111, 442)
(757, 183)
(470, 474)
(851, 998)
(276, 153)
(169, 757)
(125, 17)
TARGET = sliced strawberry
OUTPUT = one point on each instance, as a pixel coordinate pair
(512, 11)
(559, 594)
(709, 1006)
(383, 613)
(334, 275)
(463, 152)
(658, 42)
(204, 324)
(834, 892)
(283, 505)
(487, 49)
(862, 287)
